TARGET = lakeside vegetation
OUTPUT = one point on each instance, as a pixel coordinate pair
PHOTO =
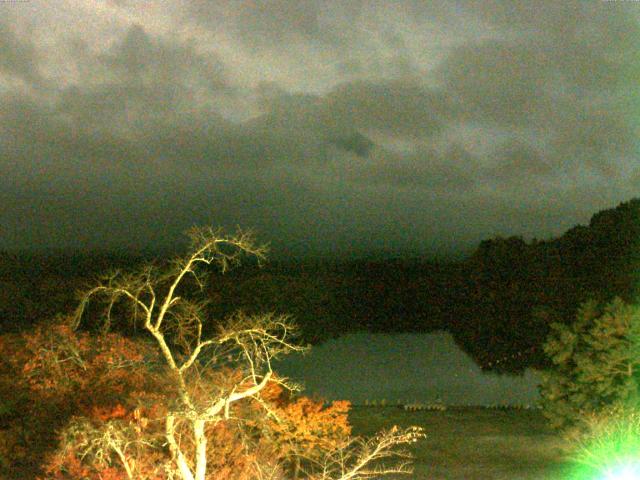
(500, 304)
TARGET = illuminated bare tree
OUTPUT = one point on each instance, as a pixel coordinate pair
(362, 459)
(161, 305)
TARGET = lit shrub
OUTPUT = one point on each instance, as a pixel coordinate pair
(596, 363)
(94, 399)
(55, 374)
(303, 430)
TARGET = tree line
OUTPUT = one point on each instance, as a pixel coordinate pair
(498, 303)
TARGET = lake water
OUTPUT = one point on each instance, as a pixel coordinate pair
(404, 368)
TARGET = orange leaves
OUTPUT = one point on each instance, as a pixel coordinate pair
(57, 360)
(309, 425)
(53, 358)
(108, 413)
(70, 467)
(228, 457)
(66, 467)
(58, 374)
(114, 392)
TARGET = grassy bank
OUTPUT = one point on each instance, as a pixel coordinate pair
(474, 443)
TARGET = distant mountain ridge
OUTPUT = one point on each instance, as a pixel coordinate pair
(498, 302)
(514, 290)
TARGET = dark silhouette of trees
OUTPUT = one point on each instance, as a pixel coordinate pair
(498, 303)
(513, 290)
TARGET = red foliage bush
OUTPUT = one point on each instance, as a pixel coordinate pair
(56, 374)
(80, 391)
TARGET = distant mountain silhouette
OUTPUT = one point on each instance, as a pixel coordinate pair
(498, 303)
(513, 290)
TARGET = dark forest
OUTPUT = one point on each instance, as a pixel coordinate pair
(498, 302)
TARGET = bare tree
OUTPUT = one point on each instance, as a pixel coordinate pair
(162, 307)
(361, 459)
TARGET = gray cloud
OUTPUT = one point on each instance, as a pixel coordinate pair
(140, 79)
(600, 139)
(354, 143)
(271, 23)
(329, 127)
(425, 170)
(139, 58)
(18, 56)
(353, 112)
(498, 81)
(518, 160)
(401, 107)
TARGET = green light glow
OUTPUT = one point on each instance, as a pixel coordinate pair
(611, 448)
(627, 471)
(616, 469)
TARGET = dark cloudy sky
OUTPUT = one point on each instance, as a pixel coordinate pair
(328, 127)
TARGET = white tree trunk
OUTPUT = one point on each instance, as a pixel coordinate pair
(178, 456)
(201, 449)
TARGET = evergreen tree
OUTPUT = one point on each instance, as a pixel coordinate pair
(596, 363)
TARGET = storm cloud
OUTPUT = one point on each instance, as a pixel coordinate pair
(328, 127)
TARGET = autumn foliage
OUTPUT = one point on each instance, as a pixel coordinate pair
(170, 394)
(74, 383)
(61, 376)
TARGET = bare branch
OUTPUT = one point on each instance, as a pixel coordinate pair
(360, 459)
(194, 355)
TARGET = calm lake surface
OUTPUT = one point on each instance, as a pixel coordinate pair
(404, 368)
